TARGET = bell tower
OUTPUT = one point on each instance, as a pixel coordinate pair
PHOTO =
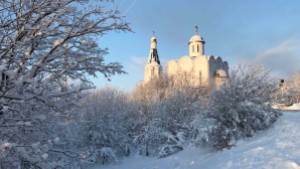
(153, 67)
(196, 44)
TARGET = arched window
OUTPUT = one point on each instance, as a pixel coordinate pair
(193, 48)
(152, 71)
(198, 48)
(200, 78)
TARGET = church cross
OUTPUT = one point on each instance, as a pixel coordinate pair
(153, 33)
(196, 29)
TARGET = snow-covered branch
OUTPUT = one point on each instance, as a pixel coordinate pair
(47, 48)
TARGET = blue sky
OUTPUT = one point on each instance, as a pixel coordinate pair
(249, 31)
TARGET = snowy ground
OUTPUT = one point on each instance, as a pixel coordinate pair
(276, 148)
(294, 107)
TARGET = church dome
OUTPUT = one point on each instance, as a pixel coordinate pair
(153, 38)
(196, 38)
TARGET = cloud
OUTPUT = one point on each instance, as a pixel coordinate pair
(138, 63)
(283, 60)
(139, 60)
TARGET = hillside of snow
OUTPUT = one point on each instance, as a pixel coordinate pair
(275, 148)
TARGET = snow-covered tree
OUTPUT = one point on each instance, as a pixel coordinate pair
(104, 126)
(164, 87)
(44, 47)
(164, 112)
(150, 138)
(239, 109)
(291, 89)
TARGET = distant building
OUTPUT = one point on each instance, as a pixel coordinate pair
(153, 67)
(196, 68)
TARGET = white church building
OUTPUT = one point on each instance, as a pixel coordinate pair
(196, 68)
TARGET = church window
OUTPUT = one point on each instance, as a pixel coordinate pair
(152, 71)
(193, 48)
(200, 77)
(198, 48)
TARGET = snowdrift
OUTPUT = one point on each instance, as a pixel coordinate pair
(275, 148)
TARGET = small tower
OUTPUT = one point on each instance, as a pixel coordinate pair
(153, 67)
(196, 44)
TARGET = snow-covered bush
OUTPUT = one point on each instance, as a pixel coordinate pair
(155, 140)
(177, 111)
(290, 90)
(150, 138)
(164, 87)
(166, 105)
(35, 155)
(238, 110)
(168, 150)
(103, 155)
(160, 120)
(104, 125)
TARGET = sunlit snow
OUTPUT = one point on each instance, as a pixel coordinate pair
(275, 148)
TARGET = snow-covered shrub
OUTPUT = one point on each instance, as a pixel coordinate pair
(164, 87)
(104, 155)
(289, 91)
(35, 155)
(163, 115)
(161, 126)
(178, 110)
(168, 150)
(104, 124)
(150, 138)
(155, 140)
(155, 90)
(238, 110)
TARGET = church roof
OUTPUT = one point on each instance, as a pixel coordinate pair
(153, 38)
(196, 38)
(153, 57)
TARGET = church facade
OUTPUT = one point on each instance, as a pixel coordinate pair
(195, 68)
